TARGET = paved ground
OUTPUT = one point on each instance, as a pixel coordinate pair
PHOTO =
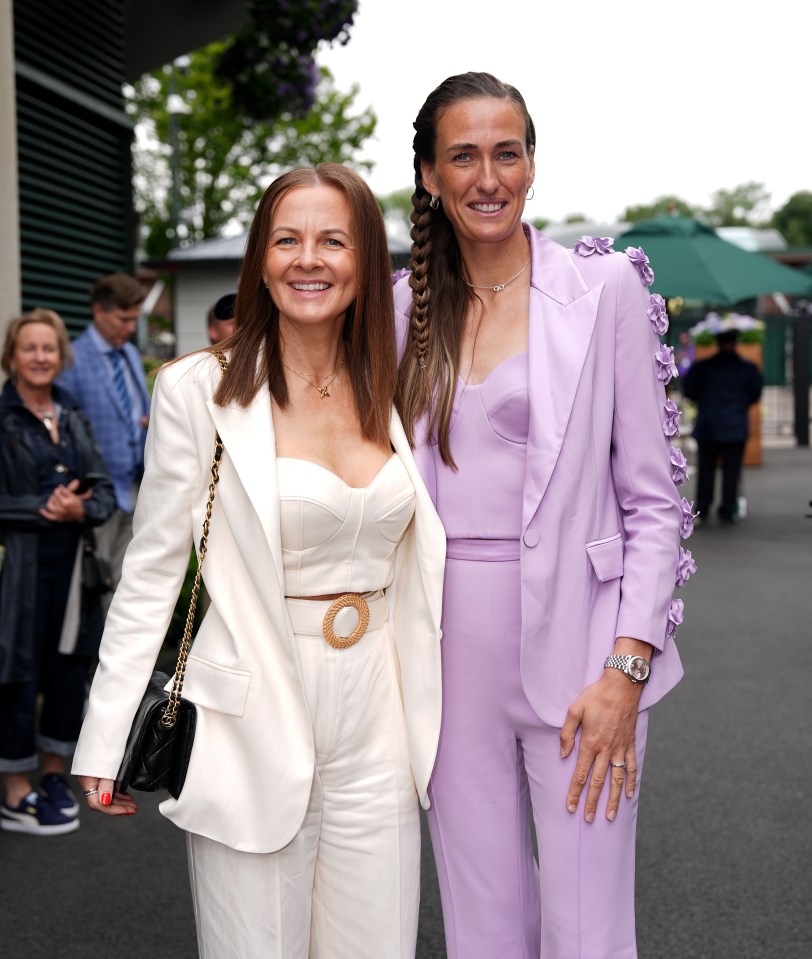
(725, 854)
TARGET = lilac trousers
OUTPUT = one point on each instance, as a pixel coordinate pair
(498, 764)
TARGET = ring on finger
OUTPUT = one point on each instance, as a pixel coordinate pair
(618, 765)
(89, 792)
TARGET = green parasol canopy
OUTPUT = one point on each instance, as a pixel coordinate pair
(691, 261)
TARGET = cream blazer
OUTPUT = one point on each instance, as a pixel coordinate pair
(252, 764)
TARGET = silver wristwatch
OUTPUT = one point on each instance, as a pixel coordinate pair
(635, 667)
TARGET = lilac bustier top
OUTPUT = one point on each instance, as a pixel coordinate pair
(482, 498)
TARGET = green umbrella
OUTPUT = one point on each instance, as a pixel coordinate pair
(691, 261)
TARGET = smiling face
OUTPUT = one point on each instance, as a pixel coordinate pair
(36, 359)
(482, 169)
(310, 264)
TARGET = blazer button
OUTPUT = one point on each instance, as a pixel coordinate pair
(531, 538)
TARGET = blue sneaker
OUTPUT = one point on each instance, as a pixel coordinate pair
(35, 815)
(58, 793)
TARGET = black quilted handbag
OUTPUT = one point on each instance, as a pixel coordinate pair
(157, 756)
(163, 731)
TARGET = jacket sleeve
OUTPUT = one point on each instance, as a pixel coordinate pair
(154, 568)
(22, 512)
(641, 468)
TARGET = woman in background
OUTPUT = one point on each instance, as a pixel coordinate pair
(50, 626)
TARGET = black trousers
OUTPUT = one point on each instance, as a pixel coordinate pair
(731, 455)
(60, 678)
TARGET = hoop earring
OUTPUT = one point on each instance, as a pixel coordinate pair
(531, 192)
(434, 202)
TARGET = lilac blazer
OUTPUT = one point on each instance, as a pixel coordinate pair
(601, 515)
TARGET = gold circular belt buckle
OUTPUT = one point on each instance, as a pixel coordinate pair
(330, 635)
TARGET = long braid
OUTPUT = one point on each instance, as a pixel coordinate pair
(419, 279)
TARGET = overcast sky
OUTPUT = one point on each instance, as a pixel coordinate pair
(631, 101)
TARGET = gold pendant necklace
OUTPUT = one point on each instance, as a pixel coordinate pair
(496, 287)
(322, 390)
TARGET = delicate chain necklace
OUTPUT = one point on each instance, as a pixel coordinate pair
(497, 287)
(45, 413)
(323, 390)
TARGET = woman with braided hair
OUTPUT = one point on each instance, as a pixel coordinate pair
(531, 387)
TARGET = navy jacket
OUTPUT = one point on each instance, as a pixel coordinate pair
(724, 387)
(21, 522)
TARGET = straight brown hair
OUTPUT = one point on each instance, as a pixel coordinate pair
(368, 334)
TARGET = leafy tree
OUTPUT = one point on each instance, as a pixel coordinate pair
(400, 201)
(794, 219)
(744, 205)
(576, 218)
(663, 205)
(191, 135)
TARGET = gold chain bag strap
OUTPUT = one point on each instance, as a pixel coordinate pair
(162, 734)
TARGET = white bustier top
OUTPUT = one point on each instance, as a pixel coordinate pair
(338, 538)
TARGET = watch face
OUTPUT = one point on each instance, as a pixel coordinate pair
(639, 669)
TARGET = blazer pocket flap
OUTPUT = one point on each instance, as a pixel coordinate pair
(607, 557)
(216, 687)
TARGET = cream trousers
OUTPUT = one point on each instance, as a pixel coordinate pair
(347, 885)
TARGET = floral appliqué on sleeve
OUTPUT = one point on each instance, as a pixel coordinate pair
(588, 245)
(679, 467)
(637, 255)
(688, 515)
(686, 567)
(657, 314)
(666, 367)
(675, 615)
(671, 419)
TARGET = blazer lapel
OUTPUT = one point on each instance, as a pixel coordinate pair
(563, 310)
(248, 436)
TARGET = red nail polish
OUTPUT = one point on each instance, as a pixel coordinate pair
(106, 799)
(130, 812)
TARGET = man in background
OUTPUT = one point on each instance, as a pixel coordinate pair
(107, 379)
(221, 319)
(724, 387)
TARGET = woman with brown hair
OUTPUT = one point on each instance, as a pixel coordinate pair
(50, 622)
(531, 384)
(315, 672)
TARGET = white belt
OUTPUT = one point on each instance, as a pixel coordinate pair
(343, 621)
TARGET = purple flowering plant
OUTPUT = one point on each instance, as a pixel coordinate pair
(638, 257)
(269, 65)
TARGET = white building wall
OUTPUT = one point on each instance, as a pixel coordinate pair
(196, 291)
